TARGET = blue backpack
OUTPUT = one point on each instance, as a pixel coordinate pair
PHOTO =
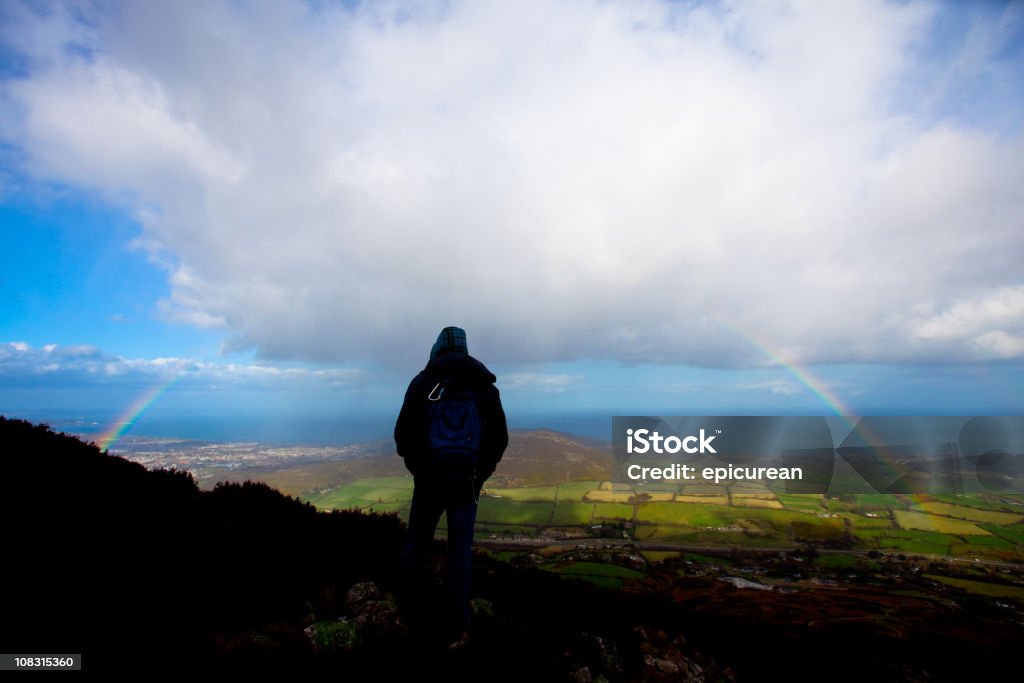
(454, 430)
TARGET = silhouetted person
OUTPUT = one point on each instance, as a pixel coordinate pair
(452, 433)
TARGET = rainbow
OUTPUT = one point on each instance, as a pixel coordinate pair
(819, 388)
(816, 385)
(132, 413)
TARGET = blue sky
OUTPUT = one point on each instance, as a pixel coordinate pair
(632, 207)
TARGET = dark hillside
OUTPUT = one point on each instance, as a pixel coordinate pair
(140, 571)
(128, 565)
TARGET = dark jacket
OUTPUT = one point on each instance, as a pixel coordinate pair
(411, 430)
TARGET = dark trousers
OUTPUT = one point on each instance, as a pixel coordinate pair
(430, 498)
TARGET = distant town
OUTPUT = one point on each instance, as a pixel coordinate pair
(209, 460)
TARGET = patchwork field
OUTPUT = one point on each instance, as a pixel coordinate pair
(742, 514)
(972, 514)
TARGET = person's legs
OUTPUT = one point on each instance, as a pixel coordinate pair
(461, 506)
(425, 511)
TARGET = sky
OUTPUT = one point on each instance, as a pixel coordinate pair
(632, 207)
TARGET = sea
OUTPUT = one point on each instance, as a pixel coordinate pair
(271, 430)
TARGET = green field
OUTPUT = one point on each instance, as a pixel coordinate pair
(508, 511)
(928, 522)
(908, 541)
(716, 516)
(995, 590)
(610, 496)
(861, 522)
(681, 514)
(805, 502)
(986, 525)
(819, 529)
(389, 482)
(1005, 503)
(530, 493)
(972, 514)
(573, 514)
(993, 551)
(365, 493)
(880, 501)
(990, 541)
(598, 573)
(1014, 534)
(575, 490)
(613, 511)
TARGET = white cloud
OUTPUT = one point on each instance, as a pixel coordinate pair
(991, 323)
(999, 344)
(69, 366)
(579, 180)
(776, 387)
(540, 382)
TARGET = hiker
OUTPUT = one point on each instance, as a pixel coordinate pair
(452, 433)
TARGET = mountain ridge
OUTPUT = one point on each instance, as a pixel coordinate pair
(534, 456)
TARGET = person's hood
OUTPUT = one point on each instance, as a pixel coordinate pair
(451, 339)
